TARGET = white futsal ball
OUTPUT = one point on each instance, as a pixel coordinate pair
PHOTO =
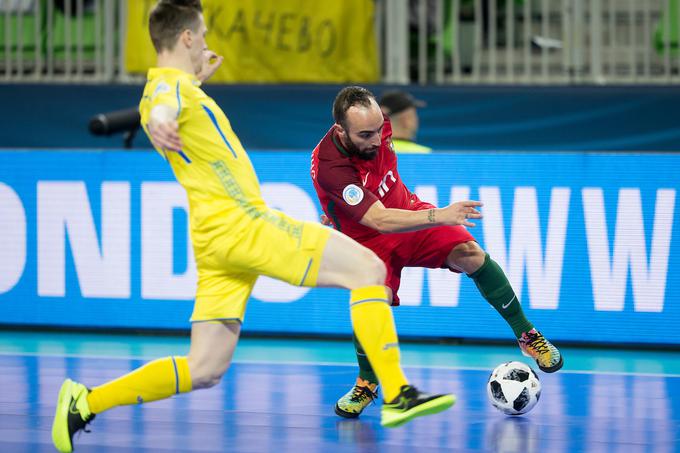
(513, 388)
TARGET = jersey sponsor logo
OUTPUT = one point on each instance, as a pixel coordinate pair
(72, 408)
(352, 194)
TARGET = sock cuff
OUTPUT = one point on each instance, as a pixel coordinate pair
(375, 293)
(482, 268)
(182, 374)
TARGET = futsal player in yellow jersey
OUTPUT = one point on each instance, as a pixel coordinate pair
(236, 238)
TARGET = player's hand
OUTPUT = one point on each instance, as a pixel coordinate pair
(460, 213)
(211, 62)
(325, 220)
(165, 135)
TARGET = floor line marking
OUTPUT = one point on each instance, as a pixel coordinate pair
(340, 364)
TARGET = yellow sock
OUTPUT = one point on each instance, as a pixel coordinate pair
(374, 327)
(156, 380)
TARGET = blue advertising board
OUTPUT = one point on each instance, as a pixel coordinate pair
(588, 240)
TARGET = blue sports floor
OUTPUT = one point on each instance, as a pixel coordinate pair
(279, 394)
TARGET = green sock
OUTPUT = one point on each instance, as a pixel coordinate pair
(495, 288)
(365, 369)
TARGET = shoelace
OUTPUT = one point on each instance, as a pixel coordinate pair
(537, 341)
(361, 392)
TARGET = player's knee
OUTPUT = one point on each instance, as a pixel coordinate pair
(468, 257)
(372, 270)
(378, 270)
(475, 253)
(468, 249)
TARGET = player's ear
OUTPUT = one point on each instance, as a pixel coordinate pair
(341, 130)
(186, 38)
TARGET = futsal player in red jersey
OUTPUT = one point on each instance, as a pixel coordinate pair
(355, 174)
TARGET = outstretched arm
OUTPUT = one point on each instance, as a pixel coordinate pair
(388, 220)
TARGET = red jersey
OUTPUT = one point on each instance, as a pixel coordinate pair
(347, 185)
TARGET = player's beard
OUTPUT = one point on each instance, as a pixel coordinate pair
(354, 150)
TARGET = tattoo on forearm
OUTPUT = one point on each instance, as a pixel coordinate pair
(430, 216)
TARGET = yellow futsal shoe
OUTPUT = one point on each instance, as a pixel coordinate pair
(356, 400)
(72, 415)
(533, 344)
(411, 403)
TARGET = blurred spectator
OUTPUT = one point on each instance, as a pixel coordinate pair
(401, 107)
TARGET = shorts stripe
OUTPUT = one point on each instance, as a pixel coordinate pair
(230, 320)
(309, 265)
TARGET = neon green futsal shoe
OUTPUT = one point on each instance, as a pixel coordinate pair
(72, 415)
(533, 344)
(411, 403)
(356, 400)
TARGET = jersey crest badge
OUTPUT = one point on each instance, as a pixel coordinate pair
(352, 194)
(161, 88)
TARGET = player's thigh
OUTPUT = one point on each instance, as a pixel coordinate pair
(466, 257)
(284, 248)
(346, 263)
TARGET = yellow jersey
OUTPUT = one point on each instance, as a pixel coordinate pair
(214, 169)
(408, 147)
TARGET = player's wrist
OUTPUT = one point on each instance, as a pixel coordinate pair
(432, 216)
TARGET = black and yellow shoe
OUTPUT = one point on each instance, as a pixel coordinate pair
(533, 344)
(72, 415)
(355, 401)
(411, 403)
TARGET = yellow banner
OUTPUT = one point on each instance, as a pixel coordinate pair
(281, 41)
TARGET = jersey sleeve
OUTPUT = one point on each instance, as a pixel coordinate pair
(173, 93)
(341, 181)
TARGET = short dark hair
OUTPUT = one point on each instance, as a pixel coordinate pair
(169, 18)
(346, 98)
